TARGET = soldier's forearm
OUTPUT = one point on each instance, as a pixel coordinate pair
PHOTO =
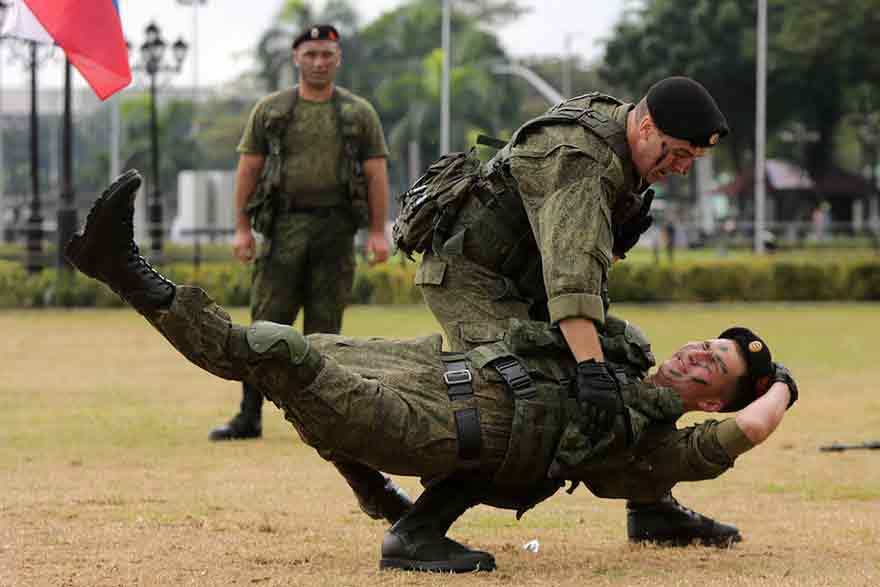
(760, 418)
(582, 338)
(376, 171)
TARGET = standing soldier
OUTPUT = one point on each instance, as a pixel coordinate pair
(312, 170)
(532, 234)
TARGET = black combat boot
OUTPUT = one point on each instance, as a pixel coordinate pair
(418, 542)
(248, 422)
(669, 523)
(240, 427)
(378, 496)
(106, 250)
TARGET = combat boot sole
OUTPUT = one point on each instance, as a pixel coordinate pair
(468, 564)
(437, 554)
(95, 244)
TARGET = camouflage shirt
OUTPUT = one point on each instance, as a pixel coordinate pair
(313, 143)
(572, 186)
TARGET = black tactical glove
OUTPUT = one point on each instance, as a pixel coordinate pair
(783, 375)
(598, 398)
(626, 235)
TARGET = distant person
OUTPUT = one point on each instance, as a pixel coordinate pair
(312, 170)
(314, 157)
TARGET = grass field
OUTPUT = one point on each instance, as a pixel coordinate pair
(107, 476)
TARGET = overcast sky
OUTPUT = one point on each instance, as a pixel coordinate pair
(227, 29)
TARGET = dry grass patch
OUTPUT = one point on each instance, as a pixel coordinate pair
(108, 478)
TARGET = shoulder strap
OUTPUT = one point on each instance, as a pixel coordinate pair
(349, 163)
(610, 131)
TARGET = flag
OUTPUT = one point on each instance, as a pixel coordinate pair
(89, 32)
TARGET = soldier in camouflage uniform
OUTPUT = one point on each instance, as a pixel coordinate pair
(315, 155)
(535, 232)
(312, 170)
(504, 418)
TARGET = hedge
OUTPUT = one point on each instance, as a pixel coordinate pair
(392, 283)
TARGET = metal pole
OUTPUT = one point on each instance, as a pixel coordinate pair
(66, 209)
(761, 127)
(154, 212)
(6, 229)
(444, 104)
(566, 67)
(35, 220)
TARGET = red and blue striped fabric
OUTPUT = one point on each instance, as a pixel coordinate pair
(89, 32)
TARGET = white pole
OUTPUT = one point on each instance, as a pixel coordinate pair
(115, 128)
(444, 105)
(761, 128)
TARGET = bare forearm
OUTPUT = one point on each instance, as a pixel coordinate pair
(760, 418)
(376, 171)
(582, 338)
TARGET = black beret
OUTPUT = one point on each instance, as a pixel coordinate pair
(759, 365)
(684, 109)
(317, 32)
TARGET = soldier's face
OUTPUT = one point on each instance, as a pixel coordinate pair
(703, 372)
(317, 62)
(660, 154)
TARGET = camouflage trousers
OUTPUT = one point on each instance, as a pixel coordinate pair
(379, 402)
(308, 264)
(470, 301)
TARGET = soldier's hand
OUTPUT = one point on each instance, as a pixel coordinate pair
(598, 398)
(626, 235)
(244, 246)
(377, 247)
(781, 374)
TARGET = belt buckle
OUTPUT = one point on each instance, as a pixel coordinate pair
(457, 377)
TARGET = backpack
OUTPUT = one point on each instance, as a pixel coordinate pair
(428, 208)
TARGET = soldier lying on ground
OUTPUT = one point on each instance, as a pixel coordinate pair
(504, 416)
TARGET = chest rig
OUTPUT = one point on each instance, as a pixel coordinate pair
(495, 232)
(350, 172)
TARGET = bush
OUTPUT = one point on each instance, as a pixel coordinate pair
(392, 283)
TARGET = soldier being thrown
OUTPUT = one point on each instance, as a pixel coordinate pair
(504, 415)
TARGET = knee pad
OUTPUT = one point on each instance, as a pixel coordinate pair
(262, 336)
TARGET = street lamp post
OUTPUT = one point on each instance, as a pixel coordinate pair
(152, 62)
(35, 219)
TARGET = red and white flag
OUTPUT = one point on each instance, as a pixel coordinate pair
(89, 32)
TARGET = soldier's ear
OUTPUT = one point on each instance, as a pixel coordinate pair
(646, 125)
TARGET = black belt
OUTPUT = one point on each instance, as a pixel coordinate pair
(458, 380)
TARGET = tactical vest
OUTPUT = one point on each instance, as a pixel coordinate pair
(546, 432)
(264, 204)
(430, 208)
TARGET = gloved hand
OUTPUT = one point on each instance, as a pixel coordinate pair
(626, 235)
(598, 397)
(783, 375)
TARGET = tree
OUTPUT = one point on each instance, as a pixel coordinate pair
(818, 51)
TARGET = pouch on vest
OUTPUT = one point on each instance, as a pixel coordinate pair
(262, 207)
(428, 208)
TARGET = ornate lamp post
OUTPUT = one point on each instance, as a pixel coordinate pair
(153, 63)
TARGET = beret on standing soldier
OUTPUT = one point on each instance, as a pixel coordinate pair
(684, 109)
(317, 32)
